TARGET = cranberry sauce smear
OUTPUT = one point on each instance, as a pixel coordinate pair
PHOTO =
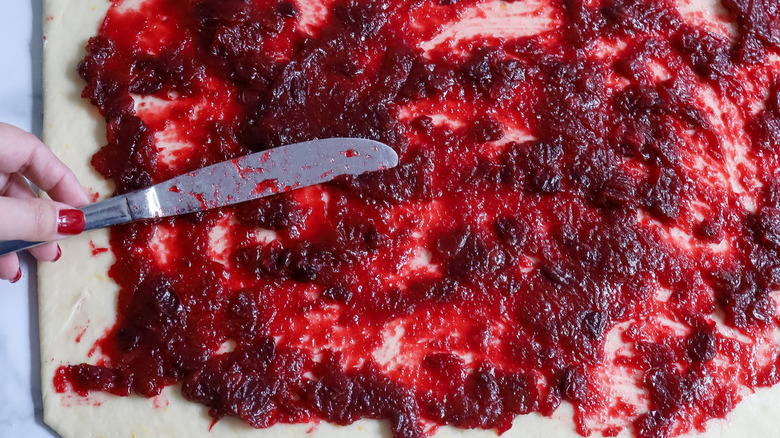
(587, 214)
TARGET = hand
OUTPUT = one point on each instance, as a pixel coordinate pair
(24, 216)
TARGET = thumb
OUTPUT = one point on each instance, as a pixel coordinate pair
(38, 219)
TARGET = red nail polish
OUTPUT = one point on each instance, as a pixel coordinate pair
(70, 222)
(18, 276)
(59, 254)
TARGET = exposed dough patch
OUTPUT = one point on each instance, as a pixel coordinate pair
(497, 19)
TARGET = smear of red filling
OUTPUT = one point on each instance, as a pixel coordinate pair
(554, 190)
(97, 250)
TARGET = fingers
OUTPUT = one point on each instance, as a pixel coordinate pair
(9, 268)
(38, 219)
(22, 152)
(49, 252)
(25, 217)
(16, 187)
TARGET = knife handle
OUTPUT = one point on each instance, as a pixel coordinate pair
(11, 246)
(112, 211)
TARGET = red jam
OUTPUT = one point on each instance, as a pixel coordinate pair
(588, 214)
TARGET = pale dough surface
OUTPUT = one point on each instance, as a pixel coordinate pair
(78, 299)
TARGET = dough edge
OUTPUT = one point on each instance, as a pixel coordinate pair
(77, 299)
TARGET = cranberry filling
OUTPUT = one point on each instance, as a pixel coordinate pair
(581, 193)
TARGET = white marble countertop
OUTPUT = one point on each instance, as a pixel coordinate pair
(21, 412)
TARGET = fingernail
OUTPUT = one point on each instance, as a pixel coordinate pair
(18, 276)
(70, 222)
(59, 254)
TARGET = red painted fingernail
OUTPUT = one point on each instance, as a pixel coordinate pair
(59, 254)
(70, 222)
(18, 276)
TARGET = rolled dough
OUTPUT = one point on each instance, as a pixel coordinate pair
(78, 299)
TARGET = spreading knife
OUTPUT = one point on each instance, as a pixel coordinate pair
(238, 180)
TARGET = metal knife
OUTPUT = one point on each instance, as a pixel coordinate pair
(241, 179)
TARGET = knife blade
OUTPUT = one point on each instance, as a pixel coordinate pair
(242, 179)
